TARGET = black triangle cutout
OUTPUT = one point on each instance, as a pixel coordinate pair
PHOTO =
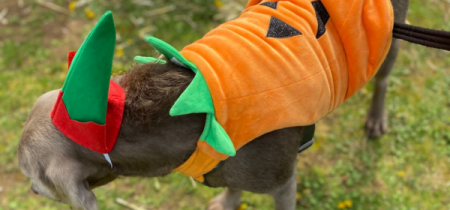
(280, 29)
(271, 4)
(322, 17)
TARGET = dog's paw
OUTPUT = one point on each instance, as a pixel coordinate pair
(376, 126)
(219, 206)
(223, 202)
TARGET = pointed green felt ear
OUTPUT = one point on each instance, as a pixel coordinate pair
(85, 91)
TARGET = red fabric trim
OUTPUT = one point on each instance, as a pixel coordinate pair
(114, 114)
(99, 138)
(70, 58)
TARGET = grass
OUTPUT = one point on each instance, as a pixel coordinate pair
(408, 168)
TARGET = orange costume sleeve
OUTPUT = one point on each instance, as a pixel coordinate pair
(286, 63)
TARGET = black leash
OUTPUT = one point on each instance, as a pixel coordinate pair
(423, 36)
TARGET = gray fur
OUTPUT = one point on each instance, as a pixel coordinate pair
(150, 146)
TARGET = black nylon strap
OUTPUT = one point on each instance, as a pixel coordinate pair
(418, 29)
(307, 138)
(422, 36)
(418, 35)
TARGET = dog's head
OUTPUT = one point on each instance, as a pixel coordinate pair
(62, 170)
(50, 151)
(58, 168)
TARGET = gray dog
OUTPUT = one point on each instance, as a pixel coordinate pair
(151, 143)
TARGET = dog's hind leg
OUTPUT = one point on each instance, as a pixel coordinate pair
(284, 196)
(229, 199)
(376, 122)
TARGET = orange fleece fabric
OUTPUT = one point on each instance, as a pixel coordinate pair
(260, 82)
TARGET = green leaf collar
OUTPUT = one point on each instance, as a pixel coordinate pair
(195, 99)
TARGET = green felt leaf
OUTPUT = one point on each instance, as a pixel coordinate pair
(170, 52)
(217, 137)
(87, 83)
(195, 99)
(143, 60)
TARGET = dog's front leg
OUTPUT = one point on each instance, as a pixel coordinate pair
(284, 196)
(82, 198)
(71, 186)
(77, 195)
(229, 199)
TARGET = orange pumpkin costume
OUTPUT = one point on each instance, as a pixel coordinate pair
(286, 63)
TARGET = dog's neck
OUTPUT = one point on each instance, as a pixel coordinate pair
(147, 151)
(142, 149)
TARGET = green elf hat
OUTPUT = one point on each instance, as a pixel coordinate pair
(89, 108)
(195, 99)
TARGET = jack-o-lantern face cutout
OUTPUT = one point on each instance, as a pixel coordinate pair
(280, 29)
